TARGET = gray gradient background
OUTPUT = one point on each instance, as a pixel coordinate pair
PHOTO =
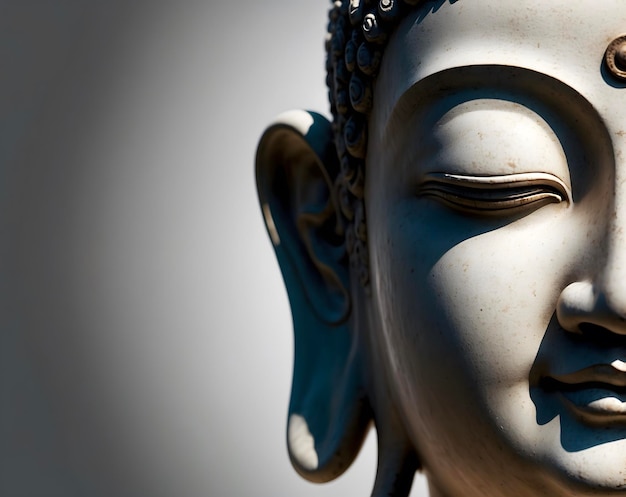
(145, 340)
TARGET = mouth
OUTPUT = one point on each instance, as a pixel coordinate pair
(596, 394)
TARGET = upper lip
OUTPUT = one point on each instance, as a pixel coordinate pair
(609, 375)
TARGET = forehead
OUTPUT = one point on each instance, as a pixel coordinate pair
(560, 38)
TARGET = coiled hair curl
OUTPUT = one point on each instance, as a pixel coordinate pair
(358, 31)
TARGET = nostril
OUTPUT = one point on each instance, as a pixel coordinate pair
(585, 309)
(611, 311)
(600, 335)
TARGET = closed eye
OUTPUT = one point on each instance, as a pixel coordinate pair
(495, 194)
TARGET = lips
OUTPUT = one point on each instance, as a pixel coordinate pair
(596, 393)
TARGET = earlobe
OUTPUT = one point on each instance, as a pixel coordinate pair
(329, 412)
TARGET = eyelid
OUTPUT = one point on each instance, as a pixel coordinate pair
(495, 193)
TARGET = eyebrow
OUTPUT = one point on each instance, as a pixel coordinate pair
(500, 81)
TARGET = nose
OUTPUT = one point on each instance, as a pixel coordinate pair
(584, 303)
(600, 301)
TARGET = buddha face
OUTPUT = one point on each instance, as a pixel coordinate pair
(496, 210)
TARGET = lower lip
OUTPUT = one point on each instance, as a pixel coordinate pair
(597, 404)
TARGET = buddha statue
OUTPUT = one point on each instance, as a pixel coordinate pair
(454, 247)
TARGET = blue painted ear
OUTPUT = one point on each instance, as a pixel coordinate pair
(329, 413)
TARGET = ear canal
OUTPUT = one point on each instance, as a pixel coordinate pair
(329, 412)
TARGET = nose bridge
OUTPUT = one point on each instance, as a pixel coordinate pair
(601, 300)
(612, 278)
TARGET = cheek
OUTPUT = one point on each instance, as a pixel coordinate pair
(463, 306)
(495, 294)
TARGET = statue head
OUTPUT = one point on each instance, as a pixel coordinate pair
(454, 247)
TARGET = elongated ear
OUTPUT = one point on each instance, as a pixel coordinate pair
(296, 166)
